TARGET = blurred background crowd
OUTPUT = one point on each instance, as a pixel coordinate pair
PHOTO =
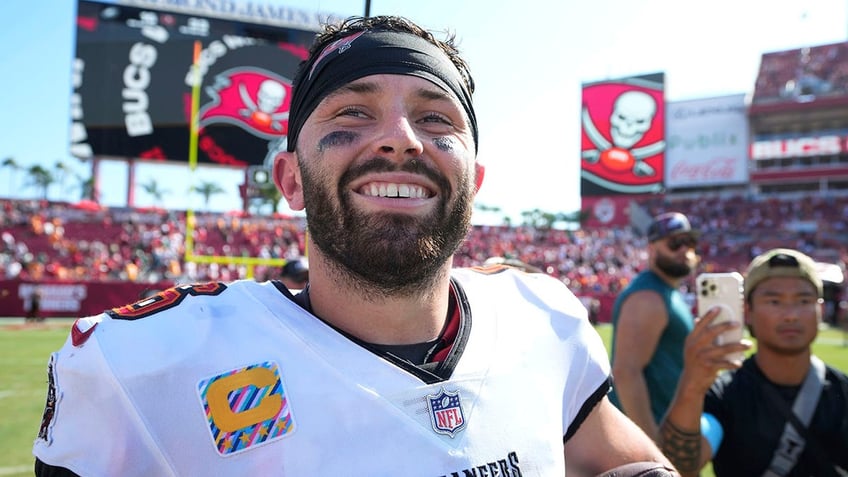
(43, 241)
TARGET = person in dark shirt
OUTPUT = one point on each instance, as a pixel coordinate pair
(781, 412)
(295, 274)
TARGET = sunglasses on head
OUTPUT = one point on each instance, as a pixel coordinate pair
(674, 243)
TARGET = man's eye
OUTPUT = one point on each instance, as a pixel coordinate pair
(352, 112)
(436, 118)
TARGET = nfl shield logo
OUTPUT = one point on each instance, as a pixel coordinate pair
(446, 412)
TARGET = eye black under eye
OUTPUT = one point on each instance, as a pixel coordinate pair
(444, 143)
(336, 138)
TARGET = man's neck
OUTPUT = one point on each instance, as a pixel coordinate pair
(783, 369)
(379, 319)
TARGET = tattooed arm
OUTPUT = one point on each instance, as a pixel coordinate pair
(688, 450)
(681, 436)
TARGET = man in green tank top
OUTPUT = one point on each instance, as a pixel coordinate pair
(651, 320)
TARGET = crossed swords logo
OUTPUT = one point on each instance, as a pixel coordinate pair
(630, 120)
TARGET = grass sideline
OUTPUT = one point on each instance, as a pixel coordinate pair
(24, 350)
(23, 362)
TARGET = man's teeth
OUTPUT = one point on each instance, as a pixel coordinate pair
(395, 190)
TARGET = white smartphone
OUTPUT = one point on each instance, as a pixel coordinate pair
(724, 290)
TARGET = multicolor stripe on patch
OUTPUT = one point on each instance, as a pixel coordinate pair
(246, 407)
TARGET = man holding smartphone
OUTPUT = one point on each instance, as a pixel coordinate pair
(781, 412)
(651, 320)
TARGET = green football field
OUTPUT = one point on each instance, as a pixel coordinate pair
(23, 361)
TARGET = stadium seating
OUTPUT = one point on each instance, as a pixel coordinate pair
(55, 241)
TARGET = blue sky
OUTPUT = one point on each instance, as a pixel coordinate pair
(529, 60)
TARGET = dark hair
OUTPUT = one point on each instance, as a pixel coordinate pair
(335, 31)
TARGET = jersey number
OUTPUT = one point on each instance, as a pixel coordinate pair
(163, 300)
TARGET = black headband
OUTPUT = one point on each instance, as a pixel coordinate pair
(369, 53)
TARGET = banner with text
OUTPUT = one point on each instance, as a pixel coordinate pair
(70, 299)
(707, 142)
(134, 75)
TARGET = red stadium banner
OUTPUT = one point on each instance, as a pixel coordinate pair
(71, 299)
(623, 136)
(609, 211)
(133, 79)
(804, 146)
(78, 299)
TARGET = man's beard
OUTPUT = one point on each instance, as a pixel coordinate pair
(394, 253)
(672, 268)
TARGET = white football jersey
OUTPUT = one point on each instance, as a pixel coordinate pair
(237, 379)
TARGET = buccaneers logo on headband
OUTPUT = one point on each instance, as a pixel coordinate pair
(341, 45)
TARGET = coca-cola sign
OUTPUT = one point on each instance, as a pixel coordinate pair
(718, 170)
(707, 142)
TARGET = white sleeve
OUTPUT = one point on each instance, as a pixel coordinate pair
(90, 426)
(590, 367)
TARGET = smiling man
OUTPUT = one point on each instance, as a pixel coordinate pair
(389, 361)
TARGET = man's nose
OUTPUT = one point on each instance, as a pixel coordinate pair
(398, 138)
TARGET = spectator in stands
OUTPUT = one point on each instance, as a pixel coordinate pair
(651, 319)
(594, 309)
(781, 412)
(295, 274)
(33, 313)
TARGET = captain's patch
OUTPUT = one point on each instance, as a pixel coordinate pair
(246, 407)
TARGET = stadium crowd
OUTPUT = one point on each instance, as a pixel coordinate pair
(60, 241)
(821, 70)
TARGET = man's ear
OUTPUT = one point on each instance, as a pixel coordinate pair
(287, 179)
(480, 171)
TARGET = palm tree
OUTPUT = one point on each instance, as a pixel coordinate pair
(41, 178)
(152, 188)
(543, 220)
(62, 172)
(207, 190)
(12, 164)
(86, 187)
(538, 218)
(267, 196)
(486, 208)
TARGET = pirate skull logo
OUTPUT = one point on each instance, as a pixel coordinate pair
(270, 96)
(632, 115)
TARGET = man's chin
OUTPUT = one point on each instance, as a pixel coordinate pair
(677, 271)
